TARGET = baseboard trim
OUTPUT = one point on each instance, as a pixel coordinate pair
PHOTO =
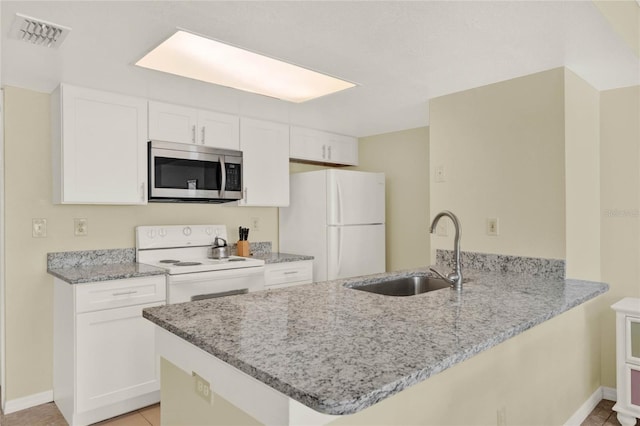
(610, 394)
(13, 405)
(585, 409)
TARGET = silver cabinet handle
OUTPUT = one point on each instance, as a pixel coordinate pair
(142, 192)
(291, 272)
(124, 293)
(329, 149)
(203, 135)
(324, 151)
(193, 133)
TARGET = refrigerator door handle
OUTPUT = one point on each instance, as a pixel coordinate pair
(339, 206)
(338, 266)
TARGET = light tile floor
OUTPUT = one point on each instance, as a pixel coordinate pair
(48, 415)
(603, 415)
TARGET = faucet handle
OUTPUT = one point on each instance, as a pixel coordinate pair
(438, 274)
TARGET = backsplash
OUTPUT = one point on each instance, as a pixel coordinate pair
(550, 268)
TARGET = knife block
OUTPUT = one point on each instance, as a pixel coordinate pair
(243, 249)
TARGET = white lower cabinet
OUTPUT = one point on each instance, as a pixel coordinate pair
(628, 360)
(287, 274)
(104, 359)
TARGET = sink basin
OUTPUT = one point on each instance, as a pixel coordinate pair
(405, 286)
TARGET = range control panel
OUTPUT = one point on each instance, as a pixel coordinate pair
(171, 236)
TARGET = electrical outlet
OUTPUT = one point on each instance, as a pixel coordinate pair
(38, 228)
(440, 176)
(492, 226)
(202, 388)
(81, 227)
(255, 223)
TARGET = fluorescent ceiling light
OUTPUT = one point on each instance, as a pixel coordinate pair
(193, 56)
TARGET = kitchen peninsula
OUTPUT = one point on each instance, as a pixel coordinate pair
(326, 353)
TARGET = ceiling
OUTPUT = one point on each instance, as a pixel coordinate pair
(401, 54)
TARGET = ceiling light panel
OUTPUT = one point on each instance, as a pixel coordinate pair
(193, 56)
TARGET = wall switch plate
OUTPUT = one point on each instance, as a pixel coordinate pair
(38, 228)
(255, 223)
(492, 226)
(81, 227)
(439, 174)
(202, 388)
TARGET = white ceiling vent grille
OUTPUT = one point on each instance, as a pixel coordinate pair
(38, 32)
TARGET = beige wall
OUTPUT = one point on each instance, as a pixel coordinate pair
(29, 289)
(620, 211)
(502, 149)
(582, 177)
(404, 158)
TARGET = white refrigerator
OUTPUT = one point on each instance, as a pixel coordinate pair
(338, 217)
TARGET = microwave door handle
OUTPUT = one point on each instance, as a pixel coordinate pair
(223, 173)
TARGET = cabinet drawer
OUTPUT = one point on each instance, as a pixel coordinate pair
(119, 293)
(290, 272)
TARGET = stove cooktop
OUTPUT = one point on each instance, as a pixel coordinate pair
(183, 266)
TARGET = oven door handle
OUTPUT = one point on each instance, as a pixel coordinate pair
(220, 294)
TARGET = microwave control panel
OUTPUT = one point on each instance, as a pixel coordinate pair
(234, 177)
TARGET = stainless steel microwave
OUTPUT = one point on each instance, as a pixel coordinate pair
(180, 172)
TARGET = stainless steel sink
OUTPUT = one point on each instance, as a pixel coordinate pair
(405, 286)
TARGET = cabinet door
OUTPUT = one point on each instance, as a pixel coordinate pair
(115, 356)
(342, 150)
(99, 147)
(265, 163)
(172, 123)
(278, 275)
(308, 144)
(219, 130)
(323, 147)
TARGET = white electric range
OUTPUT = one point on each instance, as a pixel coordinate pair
(183, 250)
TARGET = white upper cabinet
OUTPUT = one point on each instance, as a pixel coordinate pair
(323, 147)
(265, 163)
(99, 147)
(175, 123)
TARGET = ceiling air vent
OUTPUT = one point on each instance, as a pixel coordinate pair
(38, 32)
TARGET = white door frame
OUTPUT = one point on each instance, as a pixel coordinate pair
(3, 388)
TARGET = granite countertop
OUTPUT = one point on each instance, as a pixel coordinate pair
(339, 350)
(77, 267)
(107, 272)
(276, 257)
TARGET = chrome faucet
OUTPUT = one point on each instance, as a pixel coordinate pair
(455, 277)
